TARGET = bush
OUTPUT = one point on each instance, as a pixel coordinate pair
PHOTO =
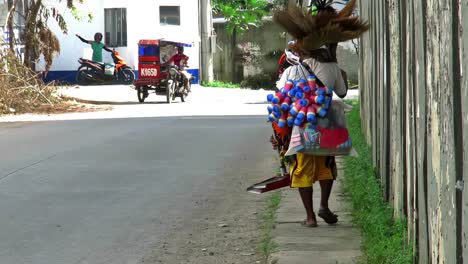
(260, 81)
(220, 84)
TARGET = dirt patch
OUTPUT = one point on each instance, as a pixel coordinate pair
(230, 234)
(63, 108)
(71, 107)
(227, 226)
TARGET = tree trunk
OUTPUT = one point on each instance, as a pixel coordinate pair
(10, 21)
(31, 19)
(233, 55)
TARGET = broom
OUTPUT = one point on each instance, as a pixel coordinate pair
(276, 182)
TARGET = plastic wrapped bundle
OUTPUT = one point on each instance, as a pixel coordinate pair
(299, 103)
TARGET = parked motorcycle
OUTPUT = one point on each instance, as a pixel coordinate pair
(91, 72)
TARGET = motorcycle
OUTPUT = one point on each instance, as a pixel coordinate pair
(91, 72)
(180, 76)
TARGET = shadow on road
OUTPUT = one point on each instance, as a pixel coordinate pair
(84, 101)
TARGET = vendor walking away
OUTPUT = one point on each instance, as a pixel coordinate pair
(316, 37)
(97, 46)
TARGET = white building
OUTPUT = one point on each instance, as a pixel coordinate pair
(123, 23)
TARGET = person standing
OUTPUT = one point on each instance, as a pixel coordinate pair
(316, 37)
(97, 46)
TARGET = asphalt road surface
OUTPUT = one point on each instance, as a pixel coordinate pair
(106, 191)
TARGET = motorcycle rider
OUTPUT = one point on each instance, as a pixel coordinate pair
(176, 59)
(97, 46)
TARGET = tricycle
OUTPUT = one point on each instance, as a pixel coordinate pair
(158, 73)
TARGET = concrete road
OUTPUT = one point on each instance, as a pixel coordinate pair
(106, 191)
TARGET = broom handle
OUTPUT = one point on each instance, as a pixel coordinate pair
(283, 165)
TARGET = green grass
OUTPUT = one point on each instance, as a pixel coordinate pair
(220, 84)
(384, 239)
(268, 218)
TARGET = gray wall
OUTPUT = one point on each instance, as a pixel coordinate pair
(415, 115)
(267, 38)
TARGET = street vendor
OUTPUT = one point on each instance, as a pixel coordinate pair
(318, 56)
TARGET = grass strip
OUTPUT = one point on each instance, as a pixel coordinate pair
(220, 84)
(268, 218)
(384, 238)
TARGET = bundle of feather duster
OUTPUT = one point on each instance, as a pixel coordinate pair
(327, 26)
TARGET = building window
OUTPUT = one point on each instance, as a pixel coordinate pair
(115, 27)
(169, 15)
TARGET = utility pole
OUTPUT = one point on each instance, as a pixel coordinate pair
(206, 41)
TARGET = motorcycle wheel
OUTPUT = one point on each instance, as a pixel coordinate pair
(81, 78)
(170, 90)
(127, 76)
(183, 96)
(176, 90)
(141, 94)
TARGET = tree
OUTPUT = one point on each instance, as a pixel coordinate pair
(241, 14)
(37, 37)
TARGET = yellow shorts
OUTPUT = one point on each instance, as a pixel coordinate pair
(307, 169)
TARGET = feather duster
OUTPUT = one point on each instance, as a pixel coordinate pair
(326, 27)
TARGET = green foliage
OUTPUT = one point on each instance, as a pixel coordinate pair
(220, 84)
(82, 15)
(267, 245)
(260, 81)
(384, 238)
(241, 15)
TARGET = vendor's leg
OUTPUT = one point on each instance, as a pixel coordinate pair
(326, 169)
(325, 189)
(303, 177)
(307, 200)
(326, 176)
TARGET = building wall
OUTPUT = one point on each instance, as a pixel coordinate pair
(3, 10)
(142, 23)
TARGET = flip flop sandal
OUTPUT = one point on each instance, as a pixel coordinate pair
(329, 217)
(304, 223)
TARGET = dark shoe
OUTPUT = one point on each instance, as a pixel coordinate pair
(327, 216)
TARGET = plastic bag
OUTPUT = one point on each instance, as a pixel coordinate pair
(329, 137)
(109, 69)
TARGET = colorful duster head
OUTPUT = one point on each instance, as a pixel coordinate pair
(282, 120)
(286, 105)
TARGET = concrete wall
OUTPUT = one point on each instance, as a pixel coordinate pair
(265, 40)
(414, 96)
